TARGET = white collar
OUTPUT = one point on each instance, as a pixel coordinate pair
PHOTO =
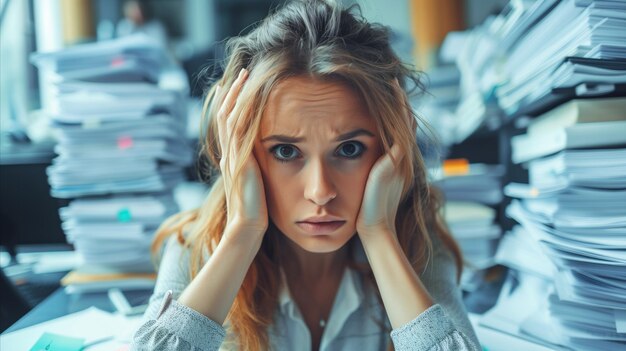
(349, 297)
(350, 289)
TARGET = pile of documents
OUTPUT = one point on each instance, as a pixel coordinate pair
(475, 182)
(115, 230)
(119, 111)
(563, 44)
(570, 251)
(474, 228)
(534, 50)
(475, 52)
(437, 107)
(472, 191)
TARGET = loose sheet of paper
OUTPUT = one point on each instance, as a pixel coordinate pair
(91, 325)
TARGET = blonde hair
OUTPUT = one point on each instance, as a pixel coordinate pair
(315, 39)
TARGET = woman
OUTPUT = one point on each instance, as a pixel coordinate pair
(320, 232)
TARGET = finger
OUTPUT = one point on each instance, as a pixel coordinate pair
(395, 152)
(233, 116)
(386, 164)
(230, 116)
(233, 94)
(220, 128)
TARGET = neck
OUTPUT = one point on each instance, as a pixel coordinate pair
(311, 266)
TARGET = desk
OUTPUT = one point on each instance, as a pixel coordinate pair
(60, 304)
(494, 340)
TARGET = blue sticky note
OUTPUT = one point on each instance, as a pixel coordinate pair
(123, 215)
(55, 342)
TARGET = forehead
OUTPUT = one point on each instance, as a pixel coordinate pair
(301, 101)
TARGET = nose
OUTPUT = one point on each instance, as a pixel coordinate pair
(319, 187)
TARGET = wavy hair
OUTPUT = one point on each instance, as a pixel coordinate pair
(320, 40)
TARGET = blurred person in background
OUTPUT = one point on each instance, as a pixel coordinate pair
(320, 230)
(138, 20)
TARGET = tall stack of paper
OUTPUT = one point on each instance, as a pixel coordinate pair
(573, 212)
(438, 106)
(470, 190)
(119, 113)
(537, 49)
(476, 61)
(569, 43)
(473, 227)
(476, 182)
(573, 125)
(99, 227)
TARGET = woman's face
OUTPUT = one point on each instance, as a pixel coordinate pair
(316, 146)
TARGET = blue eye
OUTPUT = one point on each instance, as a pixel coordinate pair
(284, 153)
(351, 149)
(348, 150)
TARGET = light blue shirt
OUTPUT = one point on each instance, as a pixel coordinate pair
(357, 319)
(352, 321)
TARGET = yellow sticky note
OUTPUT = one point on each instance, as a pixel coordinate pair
(456, 167)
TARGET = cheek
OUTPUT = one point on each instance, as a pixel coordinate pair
(281, 189)
(351, 185)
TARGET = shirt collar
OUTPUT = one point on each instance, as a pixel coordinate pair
(350, 296)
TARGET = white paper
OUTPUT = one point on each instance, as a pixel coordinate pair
(620, 321)
(91, 324)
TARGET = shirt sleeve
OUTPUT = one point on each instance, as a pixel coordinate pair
(445, 325)
(169, 325)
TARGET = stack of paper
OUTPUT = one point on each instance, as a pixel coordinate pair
(477, 58)
(115, 230)
(134, 58)
(438, 106)
(474, 228)
(470, 190)
(98, 278)
(535, 50)
(575, 42)
(476, 182)
(573, 213)
(120, 122)
(142, 133)
(577, 124)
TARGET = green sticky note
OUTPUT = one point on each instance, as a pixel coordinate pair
(123, 215)
(55, 342)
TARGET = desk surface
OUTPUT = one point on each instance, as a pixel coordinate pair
(60, 304)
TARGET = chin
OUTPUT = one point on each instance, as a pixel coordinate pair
(321, 243)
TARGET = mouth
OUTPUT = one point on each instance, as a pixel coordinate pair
(320, 228)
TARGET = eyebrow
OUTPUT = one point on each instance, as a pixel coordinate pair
(292, 140)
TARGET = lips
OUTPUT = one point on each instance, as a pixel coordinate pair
(320, 228)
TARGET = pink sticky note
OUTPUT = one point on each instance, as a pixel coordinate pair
(125, 142)
(117, 61)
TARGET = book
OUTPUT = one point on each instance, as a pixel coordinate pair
(585, 135)
(580, 111)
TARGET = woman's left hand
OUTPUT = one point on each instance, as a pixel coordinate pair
(381, 198)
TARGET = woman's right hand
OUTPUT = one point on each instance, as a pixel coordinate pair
(216, 285)
(245, 200)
